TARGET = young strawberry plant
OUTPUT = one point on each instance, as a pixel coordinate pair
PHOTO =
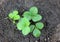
(25, 22)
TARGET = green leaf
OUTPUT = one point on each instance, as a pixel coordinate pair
(39, 25)
(36, 18)
(26, 31)
(36, 33)
(15, 12)
(33, 10)
(20, 25)
(25, 21)
(11, 15)
(27, 15)
(32, 27)
(16, 17)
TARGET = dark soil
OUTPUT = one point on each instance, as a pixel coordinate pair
(49, 9)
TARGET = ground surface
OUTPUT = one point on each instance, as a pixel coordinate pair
(49, 9)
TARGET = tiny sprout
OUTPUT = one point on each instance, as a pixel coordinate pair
(14, 15)
(32, 14)
(23, 23)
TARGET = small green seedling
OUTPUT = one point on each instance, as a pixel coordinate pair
(32, 14)
(23, 25)
(14, 15)
(38, 27)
